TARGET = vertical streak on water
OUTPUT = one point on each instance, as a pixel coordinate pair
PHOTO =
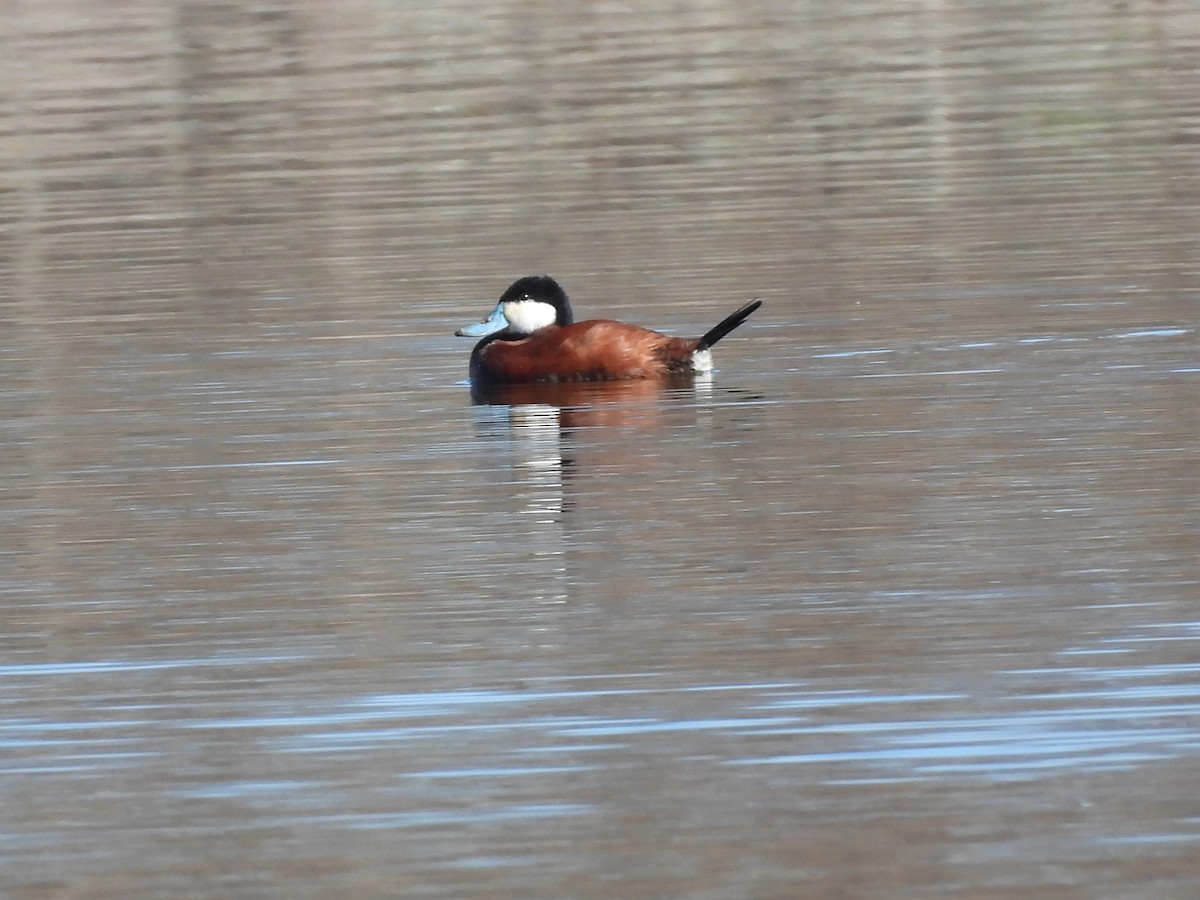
(538, 466)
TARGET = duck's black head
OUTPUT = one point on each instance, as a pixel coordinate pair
(541, 289)
(529, 304)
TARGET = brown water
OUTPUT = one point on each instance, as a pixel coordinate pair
(902, 603)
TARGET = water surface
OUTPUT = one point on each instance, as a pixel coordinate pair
(900, 603)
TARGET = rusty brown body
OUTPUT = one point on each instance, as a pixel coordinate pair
(596, 350)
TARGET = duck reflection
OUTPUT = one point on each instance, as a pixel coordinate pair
(562, 448)
(546, 426)
(585, 404)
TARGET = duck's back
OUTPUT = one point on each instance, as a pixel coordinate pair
(595, 350)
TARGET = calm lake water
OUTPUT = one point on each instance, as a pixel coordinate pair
(902, 603)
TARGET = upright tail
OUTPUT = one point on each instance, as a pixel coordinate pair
(727, 325)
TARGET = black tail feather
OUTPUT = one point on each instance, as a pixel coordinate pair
(727, 325)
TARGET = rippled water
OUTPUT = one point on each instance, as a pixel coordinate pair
(900, 603)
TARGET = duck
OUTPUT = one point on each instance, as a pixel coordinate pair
(531, 337)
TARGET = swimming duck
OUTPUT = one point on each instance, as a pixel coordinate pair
(532, 336)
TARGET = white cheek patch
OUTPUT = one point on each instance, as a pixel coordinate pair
(527, 316)
(702, 361)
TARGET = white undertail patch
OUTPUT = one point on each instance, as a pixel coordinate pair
(702, 361)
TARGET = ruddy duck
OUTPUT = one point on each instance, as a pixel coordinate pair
(532, 336)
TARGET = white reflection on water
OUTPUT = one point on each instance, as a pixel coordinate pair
(427, 818)
(1145, 714)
